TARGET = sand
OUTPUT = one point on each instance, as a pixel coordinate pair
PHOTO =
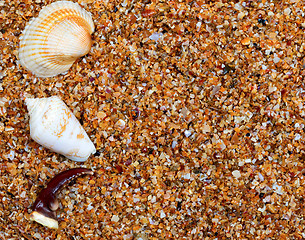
(196, 111)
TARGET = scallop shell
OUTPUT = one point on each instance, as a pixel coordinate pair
(52, 42)
(53, 125)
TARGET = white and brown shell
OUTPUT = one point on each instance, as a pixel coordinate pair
(52, 42)
(53, 125)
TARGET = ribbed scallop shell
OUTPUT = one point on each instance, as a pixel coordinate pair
(52, 42)
(53, 125)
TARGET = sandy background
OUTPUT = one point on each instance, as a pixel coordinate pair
(212, 146)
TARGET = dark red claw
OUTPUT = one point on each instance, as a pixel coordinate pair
(46, 204)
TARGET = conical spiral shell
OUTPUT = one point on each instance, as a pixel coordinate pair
(53, 125)
(52, 42)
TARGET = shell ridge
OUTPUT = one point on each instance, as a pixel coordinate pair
(51, 42)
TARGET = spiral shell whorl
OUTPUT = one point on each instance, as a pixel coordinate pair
(35, 103)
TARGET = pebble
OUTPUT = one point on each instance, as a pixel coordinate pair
(236, 174)
(187, 133)
(115, 218)
(246, 41)
(162, 214)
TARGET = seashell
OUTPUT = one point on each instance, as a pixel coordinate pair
(52, 42)
(53, 125)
